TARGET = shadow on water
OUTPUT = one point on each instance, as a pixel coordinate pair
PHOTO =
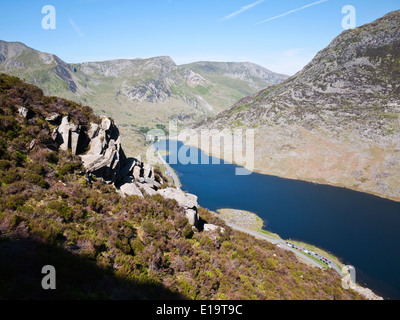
(77, 278)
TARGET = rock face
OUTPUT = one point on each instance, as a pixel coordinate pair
(185, 200)
(335, 122)
(106, 159)
(23, 112)
(131, 189)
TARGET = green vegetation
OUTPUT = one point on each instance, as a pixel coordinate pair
(105, 246)
(240, 108)
(202, 90)
(236, 124)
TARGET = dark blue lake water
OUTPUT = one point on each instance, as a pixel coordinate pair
(361, 229)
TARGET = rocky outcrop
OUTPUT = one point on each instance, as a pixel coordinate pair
(23, 112)
(130, 189)
(185, 200)
(106, 159)
(213, 227)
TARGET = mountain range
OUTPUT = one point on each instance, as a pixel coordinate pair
(139, 93)
(336, 121)
(113, 226)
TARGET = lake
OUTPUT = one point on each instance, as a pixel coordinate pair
(361, 229)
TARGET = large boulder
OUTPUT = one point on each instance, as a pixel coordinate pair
(63, 131)
(213, 227)
(67, 134)
(148, 189)
(105, 157)
(130, 189)
(148, 171)
(192, 216)
(185, 200)
(23, 112)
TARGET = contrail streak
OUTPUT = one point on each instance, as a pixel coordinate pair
(241, 10)
(292, 11)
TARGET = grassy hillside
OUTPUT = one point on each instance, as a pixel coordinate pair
(106, 246)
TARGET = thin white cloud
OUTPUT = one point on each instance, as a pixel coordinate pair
(76, 28)
(292, 11)
(241, 10)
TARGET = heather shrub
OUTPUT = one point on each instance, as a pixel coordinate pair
(107, 246)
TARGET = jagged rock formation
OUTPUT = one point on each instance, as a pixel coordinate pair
(68, 135)
(336, 121)
(106, 159)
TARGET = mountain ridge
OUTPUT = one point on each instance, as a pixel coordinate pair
(337, 120)
(139, 94)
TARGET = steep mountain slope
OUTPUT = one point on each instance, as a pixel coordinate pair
(234, 79)
(243, 76)
(42, 69)
(55, 211)
(138, 93)
(336, 121)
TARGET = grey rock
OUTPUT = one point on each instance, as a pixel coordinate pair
(23, 112)
(213, 227)
(63, 130)
(55, 134)
(185, 200)
(54, 118)
(75, 134)
(192, 216)
(93, 131)
(106, 124)
(148, 171)
(136, 172)
(148, 189)
(128, 169)
(130, 189)
(105, 157)
(67, 135)
(32, 144)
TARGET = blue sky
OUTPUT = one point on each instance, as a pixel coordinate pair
(281, 35)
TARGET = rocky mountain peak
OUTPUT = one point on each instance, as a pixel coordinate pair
(327, 122)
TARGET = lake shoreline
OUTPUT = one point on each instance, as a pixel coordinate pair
(301, 218)
(265, 172)
(243, 220)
